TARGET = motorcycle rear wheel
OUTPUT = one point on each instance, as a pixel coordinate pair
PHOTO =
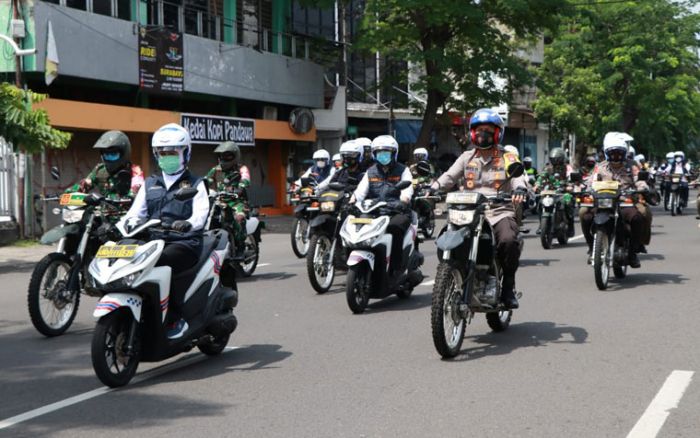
(357, 287)
(317, 265)
(300, 242)
(601, 249)
(112, 365)
(674, 204)
(429, 226)
(448, 326)
(252, 255)
(50, 312)
(499, 321)
(545, 234)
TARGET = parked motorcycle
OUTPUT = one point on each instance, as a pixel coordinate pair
(58, 278)
(218, 218)
(365, 236)
(131, 326)
(307, 207)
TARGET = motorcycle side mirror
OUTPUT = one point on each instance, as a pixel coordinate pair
(336, 186)
(403, 185)
(515, 170)
(185, 193)
(423, 168)
(123, 184)
(55, 173)
(575, 177)
(643, 175)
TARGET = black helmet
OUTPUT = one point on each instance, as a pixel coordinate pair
(229, 154)
(115, 149)
(557, 156)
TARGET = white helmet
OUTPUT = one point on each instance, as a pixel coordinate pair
(423, 152)
(680, 154)
(614, 142)
(385, 143)
(352, 147)
(173, 137)
(363, 141)
(337, 157)
(639, 158)
(512, 149)
(669, 156)
(631, 151)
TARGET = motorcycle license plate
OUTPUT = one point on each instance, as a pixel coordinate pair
(361, 220)
(116, 251)
(75, 199)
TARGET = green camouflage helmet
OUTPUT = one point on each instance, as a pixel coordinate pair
(228, 146)
(113, 142)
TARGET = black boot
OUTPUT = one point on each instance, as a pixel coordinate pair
(634, 260)
(508, 292)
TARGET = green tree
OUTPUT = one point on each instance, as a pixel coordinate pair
(26, 127)
(627, 66)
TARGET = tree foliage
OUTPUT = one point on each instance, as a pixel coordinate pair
(25, 127)
(628, 66)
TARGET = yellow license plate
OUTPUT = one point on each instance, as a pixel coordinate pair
(361, 220)
(116, 251)
(75, 199)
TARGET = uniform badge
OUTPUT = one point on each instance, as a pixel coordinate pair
(470, 184)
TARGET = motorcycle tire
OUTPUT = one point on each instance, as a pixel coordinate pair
(562, 231)
(545, 235)
(66, 311)
(499, 321)
(357, 287)
(320, 242)
(447, 325)
(674, 204)
(601, 269)
(300, 244)
(215, 346)
(111, 333)
(667, 199)
(429, 229)
(247, 267)
(620, 271)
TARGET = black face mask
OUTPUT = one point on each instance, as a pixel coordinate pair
(227, 165)
(484, 139)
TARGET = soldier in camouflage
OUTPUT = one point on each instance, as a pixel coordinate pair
(232, 177)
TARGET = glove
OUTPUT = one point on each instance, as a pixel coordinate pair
(92, 200)
(182, 226)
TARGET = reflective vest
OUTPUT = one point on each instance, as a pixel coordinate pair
(380, 182)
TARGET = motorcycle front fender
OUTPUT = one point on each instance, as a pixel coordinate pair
(299, 210)
(451, 239)
(358, 256)
(111, 302)
(59, 232)
(601, 218)
(321, 220)
(251, 225)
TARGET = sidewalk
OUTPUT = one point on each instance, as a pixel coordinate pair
(16, 257)
(278, 224)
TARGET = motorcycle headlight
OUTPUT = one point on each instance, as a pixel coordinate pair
(461, 217)
(328, 206)
(605, 203)
(122, 283)
(72, 216)
(548, 201)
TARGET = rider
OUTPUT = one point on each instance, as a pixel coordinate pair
(588, 166)
(321, 168)
(378, 182)
(367, 158)
(484, 170)
(530, 171)
(351, 172)
(421, 154)
(557, 174)
(616, 167)
(233, 177)
(680, 167)
(337, 162)
(115, 177)
(156, 200)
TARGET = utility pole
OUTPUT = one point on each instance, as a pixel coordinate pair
(21, 219)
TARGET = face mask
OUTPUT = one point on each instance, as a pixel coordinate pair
(320, 164)
(170, 164)
(678, 159)
(484, 139)
(383, 157)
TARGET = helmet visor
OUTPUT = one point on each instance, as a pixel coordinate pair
(616, 155)
(111, 156)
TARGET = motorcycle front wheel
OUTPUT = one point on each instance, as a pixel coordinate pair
(447, 323)
(52, 308)
(113, 364)
(251, 256)
(319, 265)
(601, 257)
(300, 238)
(545, 233)
(357, 287)
(428, 228)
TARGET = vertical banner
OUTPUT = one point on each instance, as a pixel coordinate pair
(161, 63)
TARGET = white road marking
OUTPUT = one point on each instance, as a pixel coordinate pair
(190, 359)
(428, 283)
(659, 409)
(692, 202)
(260, 265)
(580, 236)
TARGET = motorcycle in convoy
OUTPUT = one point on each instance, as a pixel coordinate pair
(365, 237)
(611, 237)
(218, 216)
(307, 207)
(468, 279)
(674, 194)
(58, 278)
(423, 203)
(553, 216)
(131, 315)
(326, 254)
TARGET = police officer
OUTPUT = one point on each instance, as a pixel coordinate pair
(351, 173)
(419, 155)
(557, 174)
(115, 177)
(378, 183)
(367, 158)
(484, 170)
(233, 177)
(530, 171)
(156, 200)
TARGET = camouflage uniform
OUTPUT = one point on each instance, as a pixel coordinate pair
(229, 181)
(108, 185)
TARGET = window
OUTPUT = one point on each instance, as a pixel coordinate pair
(102, 7)
(77, 4)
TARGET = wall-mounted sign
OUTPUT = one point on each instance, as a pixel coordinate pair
(207, 129)
(161, 63)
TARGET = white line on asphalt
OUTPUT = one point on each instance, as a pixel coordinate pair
(190, 359)
(659, 409)
(260, 265)
(580, 236)
(692, 202)
(428, 283)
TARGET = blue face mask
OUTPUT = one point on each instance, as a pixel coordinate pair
(111, 156)
(383, 157)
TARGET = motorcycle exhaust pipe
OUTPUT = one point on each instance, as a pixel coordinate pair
(222, 325)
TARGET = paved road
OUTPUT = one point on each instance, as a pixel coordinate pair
(576, 362)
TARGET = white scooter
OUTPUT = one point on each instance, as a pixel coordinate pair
(370, 273)
(132, 313)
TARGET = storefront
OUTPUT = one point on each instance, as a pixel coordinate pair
(268, 149)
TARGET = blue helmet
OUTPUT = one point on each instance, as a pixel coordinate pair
(487, 116)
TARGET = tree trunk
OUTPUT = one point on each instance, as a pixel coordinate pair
(435, 101)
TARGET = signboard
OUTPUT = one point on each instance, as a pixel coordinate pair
(161, 64)
(207, 129)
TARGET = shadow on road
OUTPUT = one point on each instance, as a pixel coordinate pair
(524, 335)
(266, 276)
(652, 257)
(395, 303)
(536, 262)
(13, 266)
(643, 279)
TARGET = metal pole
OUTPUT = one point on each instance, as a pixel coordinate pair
(44, 208)
(18, 83)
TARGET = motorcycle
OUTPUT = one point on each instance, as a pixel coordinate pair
(611, 238)
(306, 209)
(674, 194)
(53, 295)
(217, 218)
(131, 315)
(326, 254)
(364, 234)
(553, 221)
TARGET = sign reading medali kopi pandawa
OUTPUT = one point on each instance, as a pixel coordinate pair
(207, 129)
(161, 64)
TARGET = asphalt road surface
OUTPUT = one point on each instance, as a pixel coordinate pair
(576, 362)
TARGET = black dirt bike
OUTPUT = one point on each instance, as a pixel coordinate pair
(306, 208)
